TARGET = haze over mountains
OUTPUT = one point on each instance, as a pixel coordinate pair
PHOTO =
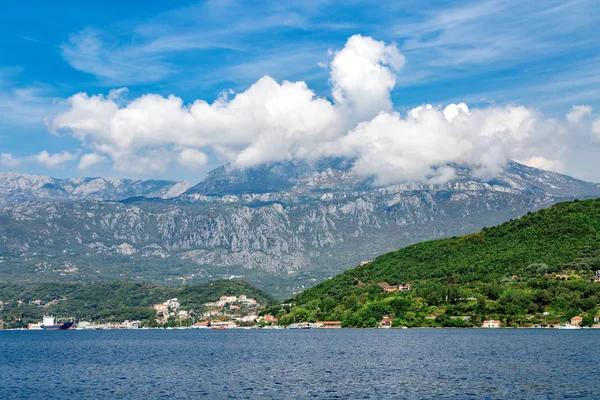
(284, 226)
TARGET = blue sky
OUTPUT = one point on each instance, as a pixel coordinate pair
(542, 55)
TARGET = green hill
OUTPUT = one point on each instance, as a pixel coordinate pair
(543, 262)
(110, 301)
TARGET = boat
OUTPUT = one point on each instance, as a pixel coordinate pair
(302, 325)
(568, 326)
(51, 324)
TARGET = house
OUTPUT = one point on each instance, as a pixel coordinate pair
(387, 288)
(269, 318)
(386, 322)
(224, 324)
(249, 318)
(491, 323)
(576, 320)
(211, 313)
(402, 288)
(597, 277)
(328, 324)
(597, 318)
(131, 324)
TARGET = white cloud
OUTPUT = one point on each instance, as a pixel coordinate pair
(543, 163)
(89, 160)
(360, 76)
(53, 160)
(7, 160)
(273, 121)
(596, 130)
(192, 158)
(578, 113)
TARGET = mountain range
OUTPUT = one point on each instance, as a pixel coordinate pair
(18, 188)
(283, 226)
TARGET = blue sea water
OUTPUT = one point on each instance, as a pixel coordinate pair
(319, 364)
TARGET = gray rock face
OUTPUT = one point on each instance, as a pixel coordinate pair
(17, 188)
(313, 221)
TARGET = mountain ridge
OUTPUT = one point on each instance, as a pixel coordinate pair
(16, 187)
(311, 228)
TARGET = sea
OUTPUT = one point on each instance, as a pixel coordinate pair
(301, 364)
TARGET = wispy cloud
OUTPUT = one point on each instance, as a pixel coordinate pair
(479, 37)
(152, 50)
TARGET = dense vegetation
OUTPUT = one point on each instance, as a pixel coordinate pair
(515, 272)
(113, 301)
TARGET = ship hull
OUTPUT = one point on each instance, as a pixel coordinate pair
(59, 327)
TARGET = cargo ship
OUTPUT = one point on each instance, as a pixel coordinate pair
(51, 324)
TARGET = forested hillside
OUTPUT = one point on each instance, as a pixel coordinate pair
(543, 262)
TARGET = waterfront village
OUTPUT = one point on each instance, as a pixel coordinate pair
(243, 312)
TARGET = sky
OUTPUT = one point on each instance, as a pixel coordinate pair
(171, 90)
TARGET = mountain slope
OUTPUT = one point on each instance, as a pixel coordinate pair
(313, 222)
(543, 262)
(562, 237)
(17, 188)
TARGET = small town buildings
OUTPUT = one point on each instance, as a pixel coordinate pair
(597, 277)
(166, 309)
(386, 322)
(243, 299)
(576, 320)
(491, 323)
(597, 318)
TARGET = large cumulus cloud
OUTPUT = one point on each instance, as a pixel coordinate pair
(274, 121)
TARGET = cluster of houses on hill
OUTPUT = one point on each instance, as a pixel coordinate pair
(169, 308)
(227, 309)
(224, 300)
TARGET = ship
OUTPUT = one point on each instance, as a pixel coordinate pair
(51, 324)
(569, 326)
